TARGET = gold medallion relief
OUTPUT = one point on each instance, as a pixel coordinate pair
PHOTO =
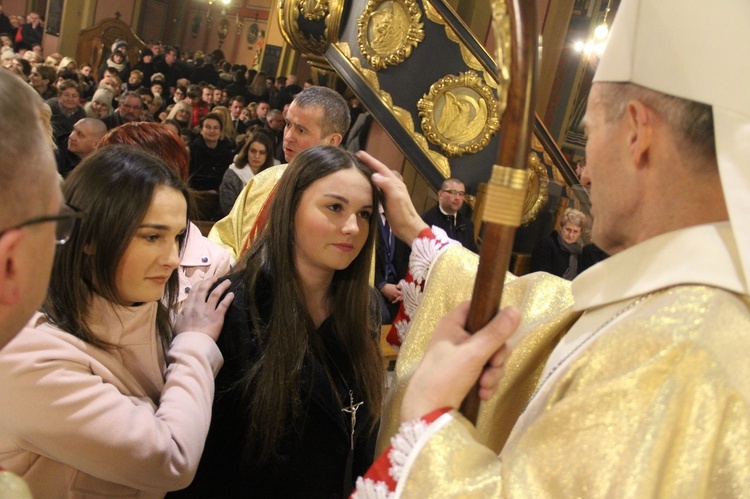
(459, 114)
(314, 10)
(388, 30)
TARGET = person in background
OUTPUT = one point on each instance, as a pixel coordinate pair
(182, 113)
(80, 143)
(254, 157)
(135, 79)
(31, 33)
(66, 109)
(446, 214)
(199, 107)
(101, 104)
(145, 65)
(560, 253)
(208, 96)
(210, 156)
(42, 78)
(236, 105)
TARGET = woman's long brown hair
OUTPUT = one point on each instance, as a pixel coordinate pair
(272, 387)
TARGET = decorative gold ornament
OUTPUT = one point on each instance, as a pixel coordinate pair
(388, 30)
(459, 114)
(322, 29)
(223, 30)
(537, 191)
(402, 115)
(314, 10)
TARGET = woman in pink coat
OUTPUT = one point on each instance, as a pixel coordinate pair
(101, 395)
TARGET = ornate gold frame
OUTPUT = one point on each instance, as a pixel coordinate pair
(388, 30)
(329, 12)
(314, 10)
(402, 115)
(459, 114)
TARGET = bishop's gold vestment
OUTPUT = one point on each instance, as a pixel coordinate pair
(231, 232)
(647, 394)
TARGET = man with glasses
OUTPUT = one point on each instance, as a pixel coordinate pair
(31, 218)
(129, 110)
(446, 214)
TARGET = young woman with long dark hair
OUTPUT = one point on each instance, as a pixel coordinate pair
(299, 396)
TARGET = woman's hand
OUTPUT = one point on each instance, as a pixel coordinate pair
(454, 360)
(399, 210)
(203, 311)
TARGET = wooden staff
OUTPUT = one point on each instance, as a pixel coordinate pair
(506, 190)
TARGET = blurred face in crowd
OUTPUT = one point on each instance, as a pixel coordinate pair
(570, 233)
(211, 130)
(262, 110)
(245, 115)
(130, 108)
(208, 95)
(178, 95)
(135, 78)
(33, 19)
(83, 139)
(86, 71)
(451, 196)
(182, 116)
(170, 57)
(236, 110)
(69, 99)
(256, 154)
(217, 96)
(157, 88)
(100, 108)
(277, 122)
(36, 80)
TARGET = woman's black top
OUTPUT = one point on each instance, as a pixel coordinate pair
(315, 457)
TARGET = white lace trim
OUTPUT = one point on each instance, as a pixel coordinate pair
(411, 292)
(367, 488)
(402, 329)
(402, 443)
(424, 251)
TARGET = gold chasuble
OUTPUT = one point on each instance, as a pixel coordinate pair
(646, 395)
(232, 231)
(546, 301)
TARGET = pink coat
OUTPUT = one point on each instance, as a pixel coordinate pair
(76, 420)
(201, 259)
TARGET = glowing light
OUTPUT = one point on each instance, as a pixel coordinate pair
(601, 31)
(578, 46)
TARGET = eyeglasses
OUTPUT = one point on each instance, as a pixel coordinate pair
(454, 192)
(66, 220)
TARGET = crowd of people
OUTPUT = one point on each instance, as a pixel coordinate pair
(139, 357)
(215, 107)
